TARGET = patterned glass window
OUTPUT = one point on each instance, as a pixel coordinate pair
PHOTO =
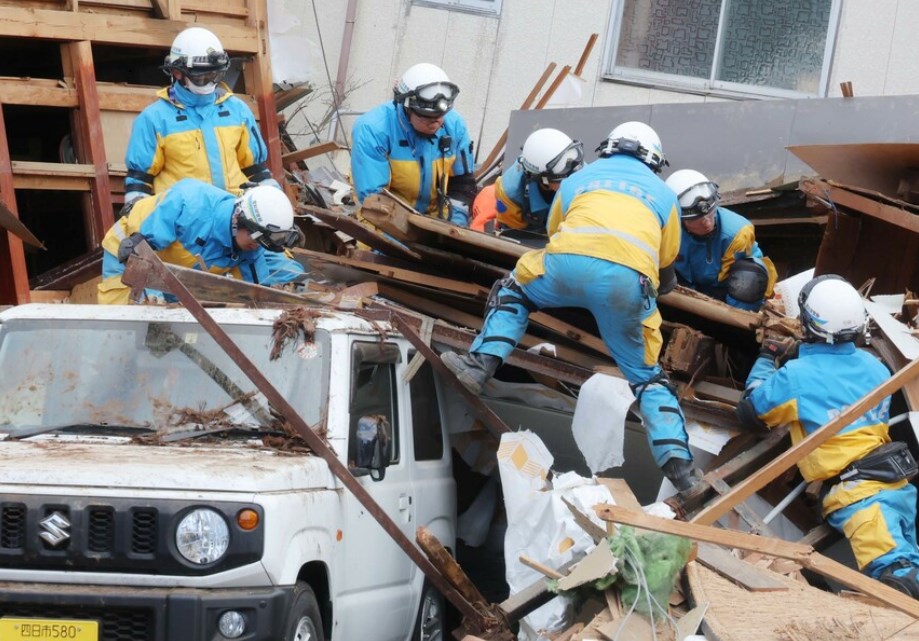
(766, 47)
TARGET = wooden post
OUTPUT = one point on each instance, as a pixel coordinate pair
(88, 140)
(756, 481)
(579, 68)
(14, 290)
(262, 89)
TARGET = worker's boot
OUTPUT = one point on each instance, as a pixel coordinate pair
(907, 581)
(473, 370)
(682, 473)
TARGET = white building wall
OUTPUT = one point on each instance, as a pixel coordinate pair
(497, 60)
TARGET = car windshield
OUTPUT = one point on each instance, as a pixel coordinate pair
(157, 375)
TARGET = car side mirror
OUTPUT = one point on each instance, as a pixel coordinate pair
(373, 446)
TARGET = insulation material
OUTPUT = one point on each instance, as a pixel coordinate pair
(599, 421)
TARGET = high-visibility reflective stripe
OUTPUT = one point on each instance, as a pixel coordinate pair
(118, 230)
(613, 232)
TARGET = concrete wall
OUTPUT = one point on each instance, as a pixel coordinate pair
(497, 60)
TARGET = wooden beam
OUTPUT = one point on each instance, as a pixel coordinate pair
(771, 471)
(687, 300)
(802, 554)
(824, 190)
(579, 68)
(167, 9)
(88, 143)
(107, 28)
(310, 152)
(14, 286)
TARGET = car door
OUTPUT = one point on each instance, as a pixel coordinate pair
(379, 573)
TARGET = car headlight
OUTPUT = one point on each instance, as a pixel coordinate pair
(202, 536)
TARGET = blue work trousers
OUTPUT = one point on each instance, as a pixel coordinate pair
(619, 302)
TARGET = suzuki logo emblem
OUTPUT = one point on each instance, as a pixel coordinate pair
(55, 529)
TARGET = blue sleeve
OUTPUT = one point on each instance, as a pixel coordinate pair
(772, 393)
(370, 170)
(256, 143)
(275, 268)
(140, 154)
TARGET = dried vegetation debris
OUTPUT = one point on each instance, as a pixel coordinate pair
(293, 323)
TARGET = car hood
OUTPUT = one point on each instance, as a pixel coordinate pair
(97, 463)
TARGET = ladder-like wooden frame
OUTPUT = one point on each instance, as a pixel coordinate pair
(241, 26)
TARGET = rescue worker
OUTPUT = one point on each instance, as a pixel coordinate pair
(196, 128)
(614, 233)
(866, 493)
(719, 255)
(417, 147)
(200, 226)
(525, 190)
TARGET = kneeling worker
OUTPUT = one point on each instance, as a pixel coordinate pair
(865, 492)
(200, 226)
(719, 255)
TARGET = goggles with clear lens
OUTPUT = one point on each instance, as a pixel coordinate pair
(433, 100)
(204, 78)
(270, 237)
(702, 205)
(566, 162)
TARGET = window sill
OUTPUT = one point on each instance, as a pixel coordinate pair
(757, 93)
(432, 4)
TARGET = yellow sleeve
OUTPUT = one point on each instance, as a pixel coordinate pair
(670, 239)
(509, 214)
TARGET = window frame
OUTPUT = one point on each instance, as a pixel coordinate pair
(389, 355)
(709, 86)
(478, 7)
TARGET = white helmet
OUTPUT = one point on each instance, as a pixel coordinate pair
(696, 193)
(551, 155)
(831, 310)
(636, 139)
(426, 90)
(199, 56)
(268, 215)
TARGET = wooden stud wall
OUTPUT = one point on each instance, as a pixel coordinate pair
(241, 26)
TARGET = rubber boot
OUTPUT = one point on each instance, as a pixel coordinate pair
(473, 369)
(906, 582)
(682, 473)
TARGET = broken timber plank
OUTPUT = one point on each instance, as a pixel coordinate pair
(687, 300)
(440, 557)
(363, 233)
(840, 195)
(719, 507)
(803, 554)
(417, 278)
(312, 151)
(737, 570)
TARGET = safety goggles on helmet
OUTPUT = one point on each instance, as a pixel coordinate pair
(270, 237)
(568, 161)
(200, 69)
(432, 100)
(703, 204)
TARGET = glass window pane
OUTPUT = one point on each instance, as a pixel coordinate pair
(775, 44)
(669, 36)
(429, 440)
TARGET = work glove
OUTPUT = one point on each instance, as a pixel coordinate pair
(459, 212)
(668, 280)
(779, 350)
(128, 246)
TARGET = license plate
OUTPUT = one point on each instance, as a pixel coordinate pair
(48, 630)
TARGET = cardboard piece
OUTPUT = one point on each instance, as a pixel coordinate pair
(888, 168)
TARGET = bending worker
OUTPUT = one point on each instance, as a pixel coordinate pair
(614, 232)
(719, 255)
(417, 147)
(202, 227)
(196, 128)
(525, 190)
(866, 493)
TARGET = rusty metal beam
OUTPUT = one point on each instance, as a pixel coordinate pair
(280, 404)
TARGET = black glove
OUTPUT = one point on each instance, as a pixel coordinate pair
(668, 280)
(779, 350)
(128, 245)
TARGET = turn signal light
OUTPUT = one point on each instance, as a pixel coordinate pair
(247, 519)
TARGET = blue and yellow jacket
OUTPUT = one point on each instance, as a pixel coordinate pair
(809, 391)
(387, 153)
(190, 225)
(615, 209)
(520, 202)
(213, 138)
(704, 263)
